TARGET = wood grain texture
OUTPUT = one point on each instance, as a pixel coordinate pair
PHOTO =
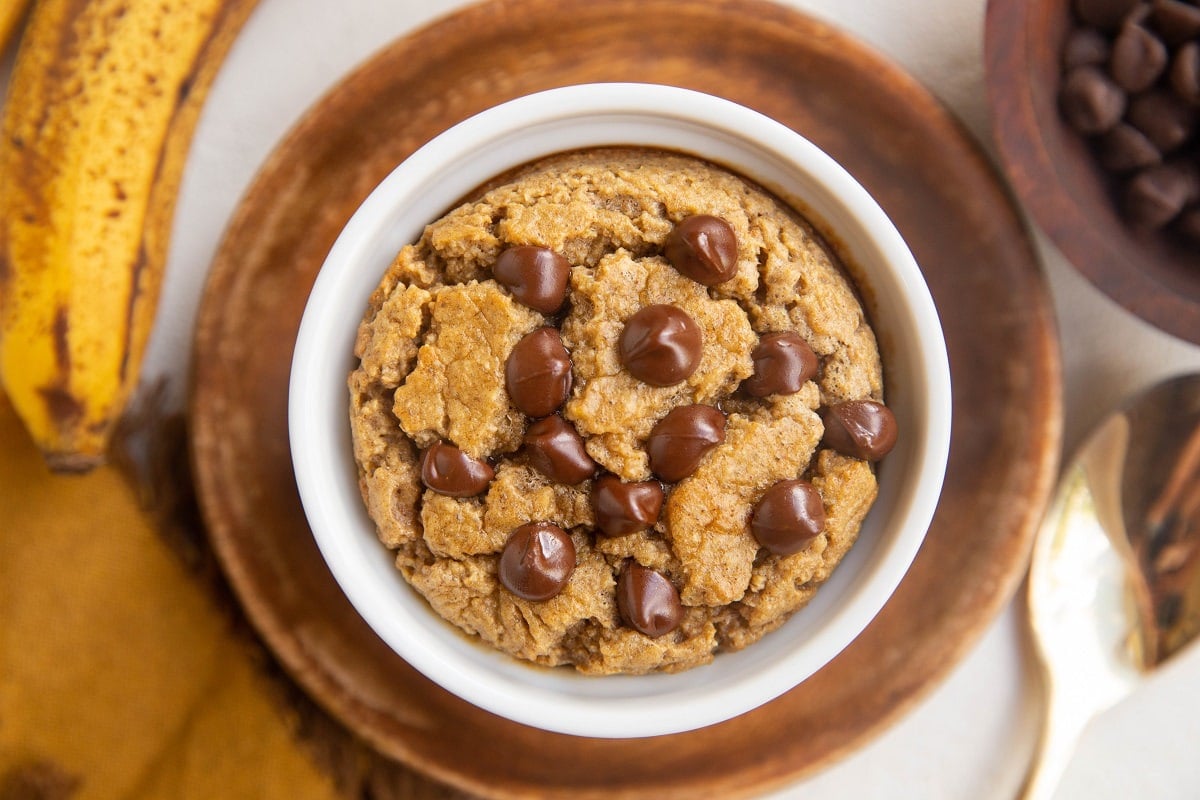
(884, 128)
(1056, 176)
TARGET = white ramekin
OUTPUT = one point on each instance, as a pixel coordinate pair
(446, 169)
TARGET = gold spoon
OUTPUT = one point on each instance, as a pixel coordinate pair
(1114, 584)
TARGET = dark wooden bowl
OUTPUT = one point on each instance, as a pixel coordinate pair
(1055, 175)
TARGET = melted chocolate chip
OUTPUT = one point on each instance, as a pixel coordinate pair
(447, 470)
(704, 248)
(647, 601)
(1090, 101)
(536, 276)
(680, 439)
(860, 428)
(783, 362)
(624, 508)
(1138, 58)
(537, 561)
(788, 517)
(538, 373)
(661, 345)
(556, 450)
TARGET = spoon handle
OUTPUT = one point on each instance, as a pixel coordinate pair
(1066, 717)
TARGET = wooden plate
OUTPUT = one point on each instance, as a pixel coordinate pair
(879, 123)
(1057, 177)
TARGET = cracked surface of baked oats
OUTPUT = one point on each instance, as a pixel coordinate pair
(433, 346)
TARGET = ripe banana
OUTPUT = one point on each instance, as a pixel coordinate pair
(103, 101)
(11, 13)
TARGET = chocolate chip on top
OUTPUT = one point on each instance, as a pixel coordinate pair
(860, 428)
(661, 345)
(789, 516)
(783, 363)
(537, 561)
(679, 440)
(557, 451)
(704, 248)
(447, 470)
(536, 276)
(538, 373)
(647, 601)
(624, 508)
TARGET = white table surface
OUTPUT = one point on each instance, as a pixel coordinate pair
(971, 736)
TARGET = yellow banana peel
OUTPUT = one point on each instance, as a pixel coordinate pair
(11, 14)
(103, 101)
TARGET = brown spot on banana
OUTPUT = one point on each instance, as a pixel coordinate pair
(62, 344)
(68, 411)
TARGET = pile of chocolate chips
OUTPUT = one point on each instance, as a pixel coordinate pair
(660, 345)
(1131, 83)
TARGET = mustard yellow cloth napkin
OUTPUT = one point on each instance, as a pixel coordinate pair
(119, 678)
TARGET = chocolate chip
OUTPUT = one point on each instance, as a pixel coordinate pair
(1166, 120)
(788, 517)
(1090, 101)
(1085, 46)
(1177, 22)
(1154, 196)
(647, 601)
(1138, 14)
(1138, 58)
(1125, 148)
(1188, 224)
(1106, 14)
(538, 373)
(661, 345)
(704, 248)
(1185, 72)
(680, 439)
(536, 276)
(783, 362)
(556, 450)
(860, 428)
(447, 470)
(624, 508)
(1190, 170)
(537, 561)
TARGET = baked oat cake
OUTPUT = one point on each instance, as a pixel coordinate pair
(620, 412)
